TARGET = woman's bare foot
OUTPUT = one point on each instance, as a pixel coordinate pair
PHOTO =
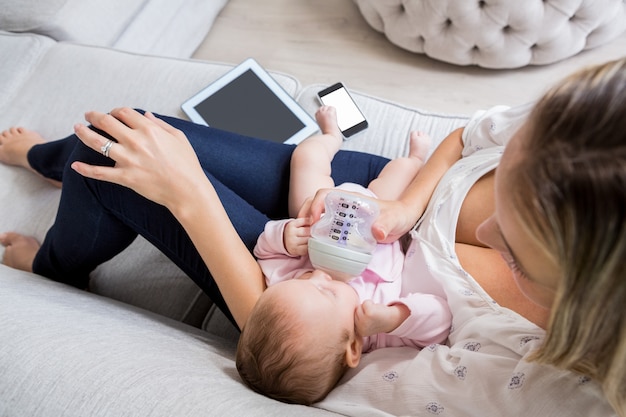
(419, 145)
(14, 146)
(19, 250)
(326, 117)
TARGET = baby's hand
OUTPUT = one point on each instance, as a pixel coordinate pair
(296, 236)
(371, 318)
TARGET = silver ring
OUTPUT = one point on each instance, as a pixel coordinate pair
(106, 148)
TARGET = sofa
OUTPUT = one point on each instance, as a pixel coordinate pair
(143, 340)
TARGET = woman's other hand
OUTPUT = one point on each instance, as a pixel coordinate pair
(394, 221)
(313, 207)
(151, 157)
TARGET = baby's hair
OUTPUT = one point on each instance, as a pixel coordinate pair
(277, 358)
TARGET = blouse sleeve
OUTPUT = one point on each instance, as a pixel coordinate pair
(493, 127)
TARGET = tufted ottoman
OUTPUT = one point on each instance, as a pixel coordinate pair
(497, 33)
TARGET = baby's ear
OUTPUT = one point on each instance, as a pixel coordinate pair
(354, 348)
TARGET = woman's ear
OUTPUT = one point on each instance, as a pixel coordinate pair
(353, 351)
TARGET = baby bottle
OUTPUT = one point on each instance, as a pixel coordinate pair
(341, 241)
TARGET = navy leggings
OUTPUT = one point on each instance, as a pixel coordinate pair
(97, 220)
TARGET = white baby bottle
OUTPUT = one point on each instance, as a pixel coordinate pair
(341, 241)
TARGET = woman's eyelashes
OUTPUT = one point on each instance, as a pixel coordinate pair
(515, 268)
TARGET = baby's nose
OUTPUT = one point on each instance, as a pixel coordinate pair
(321, 275)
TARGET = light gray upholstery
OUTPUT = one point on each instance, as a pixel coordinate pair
(161, 27)
(66, 352)
(496, 33)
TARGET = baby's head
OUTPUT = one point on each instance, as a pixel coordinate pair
(300, 339)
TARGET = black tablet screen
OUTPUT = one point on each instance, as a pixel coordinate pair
(248, 107)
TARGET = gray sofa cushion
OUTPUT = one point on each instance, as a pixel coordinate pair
(94, 22)
(66, 352)
(25, 53)
(170, 28)
(164, 27)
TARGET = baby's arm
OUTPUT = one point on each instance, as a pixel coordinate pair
(423, 318)
(273, 257)
(372, 318)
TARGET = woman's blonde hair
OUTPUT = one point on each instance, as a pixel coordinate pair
(570, 187)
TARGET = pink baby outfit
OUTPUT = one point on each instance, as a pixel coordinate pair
(381, 282)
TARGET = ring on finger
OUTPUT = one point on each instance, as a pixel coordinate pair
(106, 148)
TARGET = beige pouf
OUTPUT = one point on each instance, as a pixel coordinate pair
(497, 33)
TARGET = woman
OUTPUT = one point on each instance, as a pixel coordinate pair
(553, 214)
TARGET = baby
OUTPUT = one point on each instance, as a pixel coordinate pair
(307, 328)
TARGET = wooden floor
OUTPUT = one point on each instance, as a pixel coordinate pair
(325, 41)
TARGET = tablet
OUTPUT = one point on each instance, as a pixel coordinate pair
(248, 101)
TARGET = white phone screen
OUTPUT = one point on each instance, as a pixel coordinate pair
(348, 114)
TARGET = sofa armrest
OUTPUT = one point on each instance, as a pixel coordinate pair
(159, 27)
(86, 21)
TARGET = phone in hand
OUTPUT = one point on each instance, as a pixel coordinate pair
(349, 117)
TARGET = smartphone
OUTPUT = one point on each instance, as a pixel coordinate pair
(349, 117)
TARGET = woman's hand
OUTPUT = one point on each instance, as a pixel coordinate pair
(313, 207)
(394, 221)
(151, 157)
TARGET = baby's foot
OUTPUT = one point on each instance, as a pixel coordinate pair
(326, 117)
(19, 251)
(419, 145)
